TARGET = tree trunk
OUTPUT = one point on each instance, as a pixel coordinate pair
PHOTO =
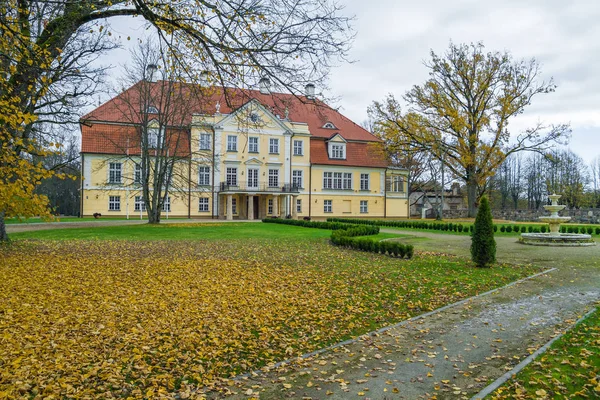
(3, 234)
(471, 192)
(154, 217)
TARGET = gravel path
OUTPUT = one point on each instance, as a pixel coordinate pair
(455, 353)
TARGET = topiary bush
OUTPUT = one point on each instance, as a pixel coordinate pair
(483, 245)
(509, 229)
(502, 229)
(598, 230)
(590, 230)
(543, 228)
(530, 229)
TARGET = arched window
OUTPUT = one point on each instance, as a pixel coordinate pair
(329, 125)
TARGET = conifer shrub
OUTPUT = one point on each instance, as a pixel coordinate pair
(530, 229)
(495, 228)
(509, 229)
(483, 245)
(502, 229)
(543, 228)
(598, 230)
(590, 230)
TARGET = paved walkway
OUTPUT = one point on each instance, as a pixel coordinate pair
(456, 352)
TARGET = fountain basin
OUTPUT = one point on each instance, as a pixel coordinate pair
(560, 239)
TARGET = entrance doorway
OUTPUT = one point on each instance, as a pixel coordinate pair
(254, 205)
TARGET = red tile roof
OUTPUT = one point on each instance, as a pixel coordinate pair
(125, 107)
(359, 154)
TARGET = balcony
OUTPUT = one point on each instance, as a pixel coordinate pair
(262, 187)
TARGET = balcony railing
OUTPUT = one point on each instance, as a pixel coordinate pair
(261, 187)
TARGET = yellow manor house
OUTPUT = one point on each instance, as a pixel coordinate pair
(244, 154)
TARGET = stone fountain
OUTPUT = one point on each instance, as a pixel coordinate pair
(555, 237)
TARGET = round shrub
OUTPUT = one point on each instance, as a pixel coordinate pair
(530, 229)
(598, 231)
(543, 228)
(509, 229)
(502, 229)
(590, 230)
(495, 228)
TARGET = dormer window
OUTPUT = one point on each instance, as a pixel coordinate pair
(337, 150)
(329, 125)
(152, 110)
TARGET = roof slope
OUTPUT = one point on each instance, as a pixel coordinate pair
(125, 108)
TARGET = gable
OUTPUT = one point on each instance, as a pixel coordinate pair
(254, 118)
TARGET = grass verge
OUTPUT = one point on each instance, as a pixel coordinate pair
(570, 368)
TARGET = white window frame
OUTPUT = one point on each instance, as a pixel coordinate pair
(231, 143)
(365, 183)
(205, 139)
(137, 173)
(327, 206)
(270, 206)
(338, 180)
(203, 204)
(234, 205)
(337, 150)
(115, 172)
(139, 204)
(253, 144)
(327, 180)
(252, 177)
(273, 178)
(298, 205)
(203, 175)
(347, 181)
(231, 176)
(395, 184)
(153, 137)
(114, 203)
(166, 207)
(364, 206)
(298, 147)
(273, 146)
(297, 178)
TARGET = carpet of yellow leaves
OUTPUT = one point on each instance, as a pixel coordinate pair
(569, 369)
(90, 319)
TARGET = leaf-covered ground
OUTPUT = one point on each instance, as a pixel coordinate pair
(89, 319)
(570, 369)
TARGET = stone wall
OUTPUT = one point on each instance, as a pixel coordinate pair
(582, 215)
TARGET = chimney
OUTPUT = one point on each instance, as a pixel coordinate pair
(204, 75)
(150, 72)
(310, 91)
(264, 85)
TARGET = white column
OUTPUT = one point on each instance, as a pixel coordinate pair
(250, 206)
(294, 208)
(276, 205)
(229, 207)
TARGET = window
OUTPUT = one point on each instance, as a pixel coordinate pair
(140, 204)
(137, 173)
(298, 147)
(203, 204)
(327, 180)
(234, 205)
(329, 125)
(364, 206)
(273, 178)
(337, 150)
(364, 182)
(167, 204)
(231, 176)
(253, 177)
(327, 206)
(297, 178)
(152, 110)
(270, 206)
(114, 203)
(299, 205)
(347, 184)
(231, 143)
(114, 172)
(337, 180)
(153, 138)
(274, 146)
(205, 141)
(394, 183)
(253, 144)
(204, 176)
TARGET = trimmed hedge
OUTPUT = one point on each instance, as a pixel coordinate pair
(467, 229)
(345, 234)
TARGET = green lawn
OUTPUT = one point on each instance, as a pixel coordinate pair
(170, 308)
(570, 368)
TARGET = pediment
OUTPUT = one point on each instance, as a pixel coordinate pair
(254, 117)
(253, 161)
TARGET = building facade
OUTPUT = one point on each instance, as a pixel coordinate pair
(271, 155)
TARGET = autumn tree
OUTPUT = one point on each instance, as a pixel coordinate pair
(461, 114)
(49, 69)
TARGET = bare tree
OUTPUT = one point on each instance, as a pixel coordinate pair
(595, 181)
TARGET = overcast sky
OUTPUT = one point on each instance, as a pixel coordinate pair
(395, 37)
